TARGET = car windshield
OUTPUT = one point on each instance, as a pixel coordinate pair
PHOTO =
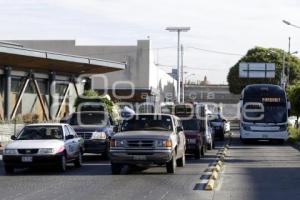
(41, 133)
(148, 122)
(191, 124)
(90, 118)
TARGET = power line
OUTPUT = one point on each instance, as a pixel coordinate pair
(215, 52)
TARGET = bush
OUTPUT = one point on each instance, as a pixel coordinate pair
(294, 134)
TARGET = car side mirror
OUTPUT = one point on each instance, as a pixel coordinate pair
(179, 128)
(13, 137)
(69, 137)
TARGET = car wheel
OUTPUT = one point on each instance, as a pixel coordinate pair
(210, 146)
(197, 153)
(181, 161)
(62, 167)
(105, 155)
(116, 168)
(222, 136)
(9, 169)
(203, 148)
(78, 161)
(171, 165)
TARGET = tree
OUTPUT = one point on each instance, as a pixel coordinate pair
(293, 92)
(263, 55)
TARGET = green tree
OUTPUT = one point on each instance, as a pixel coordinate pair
(263, 55)
(293, 92)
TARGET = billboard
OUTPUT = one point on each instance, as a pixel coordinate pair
(257, 70)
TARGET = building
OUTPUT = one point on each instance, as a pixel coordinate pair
(42, 82)
(140, 82)
(214, 94)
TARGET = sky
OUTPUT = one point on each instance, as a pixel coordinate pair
(227, 29)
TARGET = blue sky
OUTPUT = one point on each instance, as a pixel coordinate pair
(232, 26)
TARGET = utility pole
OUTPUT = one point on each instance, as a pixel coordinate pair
(178, 30)
(182, 79)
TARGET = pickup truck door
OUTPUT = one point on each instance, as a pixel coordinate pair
(181, 139)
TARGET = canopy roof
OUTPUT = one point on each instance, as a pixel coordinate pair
(44, 61)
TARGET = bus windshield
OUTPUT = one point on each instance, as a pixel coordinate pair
(272, 113)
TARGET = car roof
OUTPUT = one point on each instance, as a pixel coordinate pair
(46, 124)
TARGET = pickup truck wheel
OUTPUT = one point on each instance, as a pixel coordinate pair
(171, 165)
(78, 161)
(9, 169)
(181, 161)
(116, 168)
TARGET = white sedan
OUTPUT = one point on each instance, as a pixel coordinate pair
(43, 145)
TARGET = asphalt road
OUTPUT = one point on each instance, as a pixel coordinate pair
(252, 171)
(260, 170)
(94, 181)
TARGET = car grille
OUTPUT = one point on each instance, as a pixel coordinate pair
(28, 151)
(85, 135)
(140, 143)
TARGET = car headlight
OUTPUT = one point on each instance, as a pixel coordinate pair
(10, 151)
(46, 151)
(98, 136)
(164, 143)
(117, 143)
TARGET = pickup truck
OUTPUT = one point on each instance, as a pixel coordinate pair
(149, 139)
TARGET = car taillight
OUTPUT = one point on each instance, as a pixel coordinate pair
(113, 143)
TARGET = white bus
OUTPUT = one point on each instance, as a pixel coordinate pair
(264, 113)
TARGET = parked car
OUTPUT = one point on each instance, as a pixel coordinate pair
(218, 125)
(194, 131)
(96, 128)
(43, 145)
(148, 139)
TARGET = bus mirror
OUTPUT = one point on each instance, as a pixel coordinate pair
(289, 105)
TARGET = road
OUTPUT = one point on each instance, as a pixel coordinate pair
(94, 181)
(253, 171)
(260, 171)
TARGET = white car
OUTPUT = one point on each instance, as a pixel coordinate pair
(49, 144)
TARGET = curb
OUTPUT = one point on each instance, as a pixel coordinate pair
(210, 185)
(217, 167)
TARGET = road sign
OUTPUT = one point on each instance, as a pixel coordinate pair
(257, 70)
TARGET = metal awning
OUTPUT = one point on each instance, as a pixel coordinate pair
(43, 61)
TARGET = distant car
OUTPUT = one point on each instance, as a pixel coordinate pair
(43, 145)
(148, 139)
(218, 125)
(96, 128)
(194, 131)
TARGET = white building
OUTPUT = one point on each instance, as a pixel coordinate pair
(141, 81)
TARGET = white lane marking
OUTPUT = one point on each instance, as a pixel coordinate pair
(163, 196)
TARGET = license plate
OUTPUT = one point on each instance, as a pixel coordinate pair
(139, 157)
(26, 159)
(265, 136)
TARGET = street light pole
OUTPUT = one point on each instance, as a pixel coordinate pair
(178, 30)
(290, 24)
